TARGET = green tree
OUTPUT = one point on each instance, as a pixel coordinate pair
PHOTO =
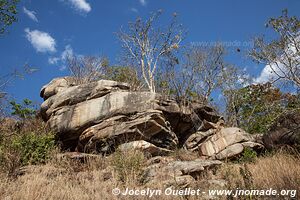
(23, 110)
(8, 12)
(258, 106)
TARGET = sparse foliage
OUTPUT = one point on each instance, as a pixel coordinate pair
(8, 12)
(124, 74)
(257, 106)
(201, 72)
(282, 54)
(23, 110)
(234, 79)
(86, 69)
(148, 45)
(128, 165)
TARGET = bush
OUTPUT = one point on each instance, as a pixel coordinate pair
(23, 110)
(34, 148)
(124, 74)
(248, 155)
(258, 106)
(25, 149)
(24, 142)
(128, 165)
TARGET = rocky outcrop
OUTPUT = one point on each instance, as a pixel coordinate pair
(285, 131)
(99, 117)
(221, 142)
(174, 172)
(145, 147)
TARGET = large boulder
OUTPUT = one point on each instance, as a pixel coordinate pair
(110, 133)
(220, 142)
(224, 138)
(285, 131)
(230, 151)
(55, 86)
(100, 116)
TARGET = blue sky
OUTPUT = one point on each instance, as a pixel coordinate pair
(48, 29)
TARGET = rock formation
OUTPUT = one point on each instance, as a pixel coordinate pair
(99, 117)
(284, 131)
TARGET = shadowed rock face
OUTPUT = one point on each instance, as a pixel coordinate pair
(101, 116)
(284, 131)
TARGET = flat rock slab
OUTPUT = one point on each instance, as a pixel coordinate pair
(145, 147)
(167, 171)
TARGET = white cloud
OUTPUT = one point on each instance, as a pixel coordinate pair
(30, 14)
(41, 41)
(270, 73)
(277, 70)
(53, 60)
(134, 10)
(244, 79)
(68, 51)
(81, 5)
(143, 2)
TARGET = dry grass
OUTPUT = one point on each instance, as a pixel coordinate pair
(279, 171)
(70, 180)
(96, 178)
(49, 182)
(184, 155)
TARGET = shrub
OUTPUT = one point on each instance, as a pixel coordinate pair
(23, 110)
(128, 165)
(34, 148)
(86, 69)
(23, 142)
(248, 155)
(124, 74)
(258, 106)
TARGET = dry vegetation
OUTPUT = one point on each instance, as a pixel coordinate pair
(278, 171)
(95, 178)
(41, 174)
(32, 168)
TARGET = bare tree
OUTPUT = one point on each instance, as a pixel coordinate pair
(199, 74)
(148, 45)
(6, 79)
(85, 69)
(281, 55)
(234, 80)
